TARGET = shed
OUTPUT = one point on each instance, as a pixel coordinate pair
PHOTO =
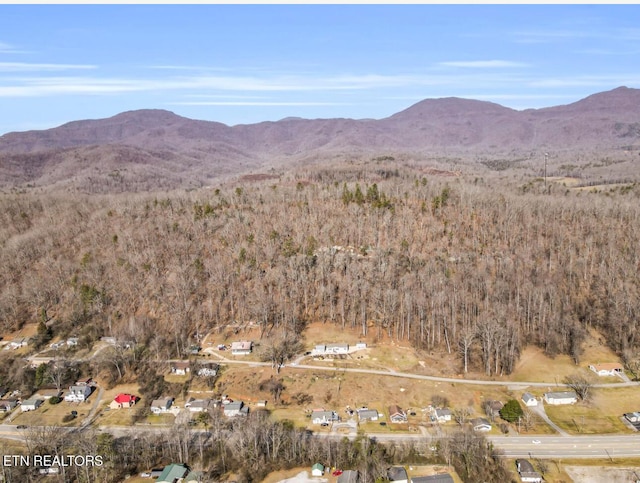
(317, 469)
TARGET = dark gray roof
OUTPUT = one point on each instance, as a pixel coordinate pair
(397, 473)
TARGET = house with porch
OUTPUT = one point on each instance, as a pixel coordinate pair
(396, 414)
(77, 393)
(123, 400)
(241, 348)
(607, 369)
(162, 405)
(561, 397)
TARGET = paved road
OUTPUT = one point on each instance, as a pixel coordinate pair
(584, 446)
(613, 446)
(408, 375)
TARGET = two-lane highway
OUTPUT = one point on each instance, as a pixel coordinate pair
(586, 446)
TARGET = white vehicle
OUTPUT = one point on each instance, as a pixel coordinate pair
(536, 441)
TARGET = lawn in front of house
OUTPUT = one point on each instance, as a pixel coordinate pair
(52, 414)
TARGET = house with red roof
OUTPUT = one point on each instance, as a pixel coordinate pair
(123, 401)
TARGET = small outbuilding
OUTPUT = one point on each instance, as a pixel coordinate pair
(317, 469)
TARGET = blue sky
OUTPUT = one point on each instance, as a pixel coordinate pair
(240, 64)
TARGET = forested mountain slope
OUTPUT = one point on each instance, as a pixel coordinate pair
(483, 266)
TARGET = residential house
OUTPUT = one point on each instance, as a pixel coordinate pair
(526, 472)
(495, 406)
(337, 348)
(561, 397)
(84, 382)
(72, 341)
(607, 369)
(7, 405)
(443, 415)
(349, 476)
(397, 415)
(398, 474)
(317, 469)
(367, 415)
(529, 399)
(31, 404)
(633, 417)
(173, 473)
(200, 405)
(159, 406)
(18, 342)
(320, 416)
(439, 478)
(180, 368)
(235, 408)
(241, 348)
(208, 369)
(78, 393)
(123, 400)
(480, 424)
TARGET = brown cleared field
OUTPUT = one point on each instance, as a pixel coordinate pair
(599, 415)
(535, 366)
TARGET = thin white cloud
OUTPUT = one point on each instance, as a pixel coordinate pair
(29, 67)
(257, 103)
(587, 81)
(483, 64)
(545, 36)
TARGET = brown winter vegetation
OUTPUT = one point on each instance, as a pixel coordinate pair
(447, 261)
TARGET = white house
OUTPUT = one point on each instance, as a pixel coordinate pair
(180, 368)
(367, 415)
(159, 406)
(320, 416)
(31, 404)
(529, 399)
(607, 369)
(18, 342)
(235, 408)
(200, 405)
(561, 397)
(443, 415)
(78, 393)
(481, 424)
(527, 473)
(633, 417)
(241, 348)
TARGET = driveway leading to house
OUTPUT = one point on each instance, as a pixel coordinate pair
(540, 411)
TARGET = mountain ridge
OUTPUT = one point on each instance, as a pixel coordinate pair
(602, 122)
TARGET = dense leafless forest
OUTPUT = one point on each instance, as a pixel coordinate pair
(479, 266)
